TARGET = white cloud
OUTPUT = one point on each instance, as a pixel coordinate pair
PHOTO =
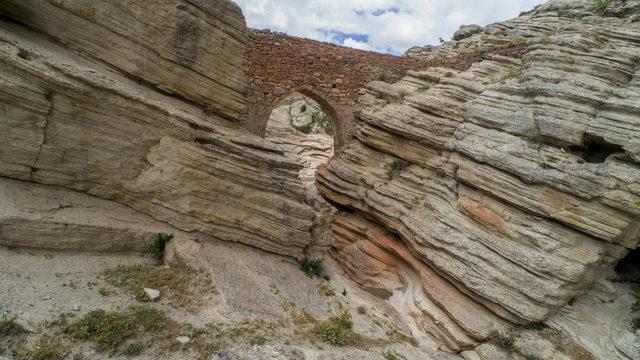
(357, 44)
(380, 25)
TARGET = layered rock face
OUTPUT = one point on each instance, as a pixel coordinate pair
(88, 107)
(303, 130)
(494, 196)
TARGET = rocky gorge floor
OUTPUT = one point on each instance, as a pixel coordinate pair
(234, 303)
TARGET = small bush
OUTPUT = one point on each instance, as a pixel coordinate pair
(133, 349)
(636, 323)
(107, 329)
(397, 166)
(335, 330)
(505, 342)
(258, 340)
(536, 326)
(180, 284)
(303, 108)
(602, 5)
(43, 349)
(305, 129)
(361, 310)
(110, 329)
(312, 268)
(449, 74)
(103, 291)
(323, 121)
(390, 355)
(635, 307)
(159, 244)
(10, 328)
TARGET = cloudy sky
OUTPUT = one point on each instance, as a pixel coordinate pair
(380, 25)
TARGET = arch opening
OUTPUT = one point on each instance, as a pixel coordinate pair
(305, 129)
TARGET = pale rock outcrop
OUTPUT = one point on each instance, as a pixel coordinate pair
(310, 148)
(48, 217)
(466, 31)
(77, 115)
(496, 195)
(194, 49)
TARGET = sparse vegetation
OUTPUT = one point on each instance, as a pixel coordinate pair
(391, 355)
(635, 307)
(305, 129)
(323, 121)
(258, 340)
(503, 340)
(10, 328)
(42, 349)
(397, 166)
(103, 291)
(536, 326)
(386, 72)
(159, 244)
(602, 5)
(336, 330)
(448, 74)
(109, 330)
(133, 349)
(178, 284)
(312, 268)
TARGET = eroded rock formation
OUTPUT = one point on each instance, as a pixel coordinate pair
(146, 118)
(494, 196)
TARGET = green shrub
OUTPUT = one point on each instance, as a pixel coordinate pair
(390, 355)
(361, 310)
(133, 349)
(305, 129)
(110, 329)
(323, 121)
(303, 108)
(505, 342)
(10, 328)
(635, 307)
(536, 326)
(397, 166)
(312, 268)
(159, 244)
(43, 349)
(258, 340)
(335, 330)
(602, 5)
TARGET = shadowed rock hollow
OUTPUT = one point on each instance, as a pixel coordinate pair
(483, 199)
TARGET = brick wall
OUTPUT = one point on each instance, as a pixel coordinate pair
(332, 75)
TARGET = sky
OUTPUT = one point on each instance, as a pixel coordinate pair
(378, 25)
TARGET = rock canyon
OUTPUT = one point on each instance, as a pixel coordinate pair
(166, 173)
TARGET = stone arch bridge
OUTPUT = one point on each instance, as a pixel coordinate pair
(331, 75)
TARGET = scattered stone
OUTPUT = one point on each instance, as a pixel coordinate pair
(466, 31)
(183, 340)
(152, 294)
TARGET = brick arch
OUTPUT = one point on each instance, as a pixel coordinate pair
(339, 116)
(332, 75)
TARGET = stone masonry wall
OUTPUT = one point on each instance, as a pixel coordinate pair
(330, 74)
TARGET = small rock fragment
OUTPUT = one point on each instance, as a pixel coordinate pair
(152, 294)
(183, 340)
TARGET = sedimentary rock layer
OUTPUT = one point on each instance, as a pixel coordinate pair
(506, 188)
(48, 217)
(194, 49)
(70, 120)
